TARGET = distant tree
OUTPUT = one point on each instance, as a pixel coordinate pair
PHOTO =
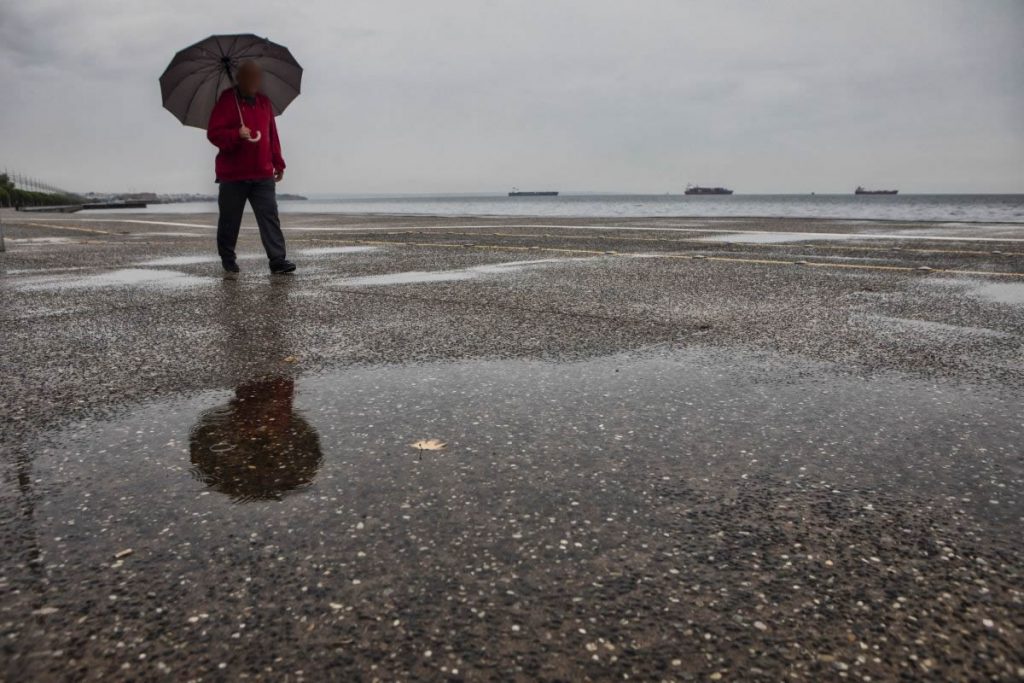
(13, 196)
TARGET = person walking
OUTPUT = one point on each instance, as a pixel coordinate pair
(248, 166)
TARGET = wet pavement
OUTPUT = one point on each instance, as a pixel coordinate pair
(671, 455)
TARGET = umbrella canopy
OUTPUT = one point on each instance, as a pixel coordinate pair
(256, 446)
(197, 75)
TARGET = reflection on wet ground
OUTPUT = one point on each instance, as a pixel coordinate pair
(420, 277)
(327, 251)
(708, 416)
(194, 259)
(659, 513)
(1000, 292)
(115, 278)
(154, 233)
(30, 241)
(406, 278)
(934, 328)
(1009, 293)
(778, 237)
(255, 447)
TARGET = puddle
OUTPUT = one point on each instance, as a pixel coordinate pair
(33, 271)
(417, 277)
(115, 278)
(167, 234)
(1000, 292)
(326, 251)
(931, 326)
(255, 446)
(111, 219)
(984, 226)
(766, 237)
(667, 486)
(406, 278)
(193, 260)
(964, 231)
(780, 237)
(1011, 293)
(697, 414)
(520, 265)
(30, 241)
(196, 259)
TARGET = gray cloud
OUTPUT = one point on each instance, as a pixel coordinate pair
(479, 95)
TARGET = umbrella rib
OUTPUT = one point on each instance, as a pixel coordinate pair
(286, 83)
(210, 62)
(243, 52)
(280, 78)
(192, 101)
(206, 68)
(231, 49)
(183, 81)
(248, 51)
(202, 67)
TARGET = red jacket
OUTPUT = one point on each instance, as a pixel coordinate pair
(240, 159)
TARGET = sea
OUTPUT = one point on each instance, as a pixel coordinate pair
(989, 208)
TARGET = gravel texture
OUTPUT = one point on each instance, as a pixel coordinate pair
(675, 450)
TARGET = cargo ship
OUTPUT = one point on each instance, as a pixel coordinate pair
(697, 189)
(535, 193)
(861, 190)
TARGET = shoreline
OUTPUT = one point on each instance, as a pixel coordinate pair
(988, 209)
(112, 216)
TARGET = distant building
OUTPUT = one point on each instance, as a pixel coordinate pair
(139, 197)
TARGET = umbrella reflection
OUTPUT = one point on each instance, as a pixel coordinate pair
(256, 447)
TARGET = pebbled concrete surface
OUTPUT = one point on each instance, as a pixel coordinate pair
(676, 450)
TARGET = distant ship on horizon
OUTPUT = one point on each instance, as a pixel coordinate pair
(516, 192)
(697, 189)
(861, 190)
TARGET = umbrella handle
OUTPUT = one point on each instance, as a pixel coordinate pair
(239, 106)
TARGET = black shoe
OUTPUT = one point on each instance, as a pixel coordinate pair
(282, 268)
(230, 267)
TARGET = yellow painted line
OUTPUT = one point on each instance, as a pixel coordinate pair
(984, 273)
(729, 259)
(856, 266)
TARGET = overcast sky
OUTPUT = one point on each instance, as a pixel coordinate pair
(584, 95)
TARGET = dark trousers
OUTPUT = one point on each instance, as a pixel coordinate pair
(262, 196)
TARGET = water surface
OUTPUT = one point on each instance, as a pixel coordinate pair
(970, 208)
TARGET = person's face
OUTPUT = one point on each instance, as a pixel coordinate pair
(250, 78)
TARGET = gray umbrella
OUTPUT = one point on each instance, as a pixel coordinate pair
(197, 75)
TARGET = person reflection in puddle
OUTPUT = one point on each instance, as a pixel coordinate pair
(256, 447)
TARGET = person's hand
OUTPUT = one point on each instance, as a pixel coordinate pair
(278, 175)
(244, 133)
